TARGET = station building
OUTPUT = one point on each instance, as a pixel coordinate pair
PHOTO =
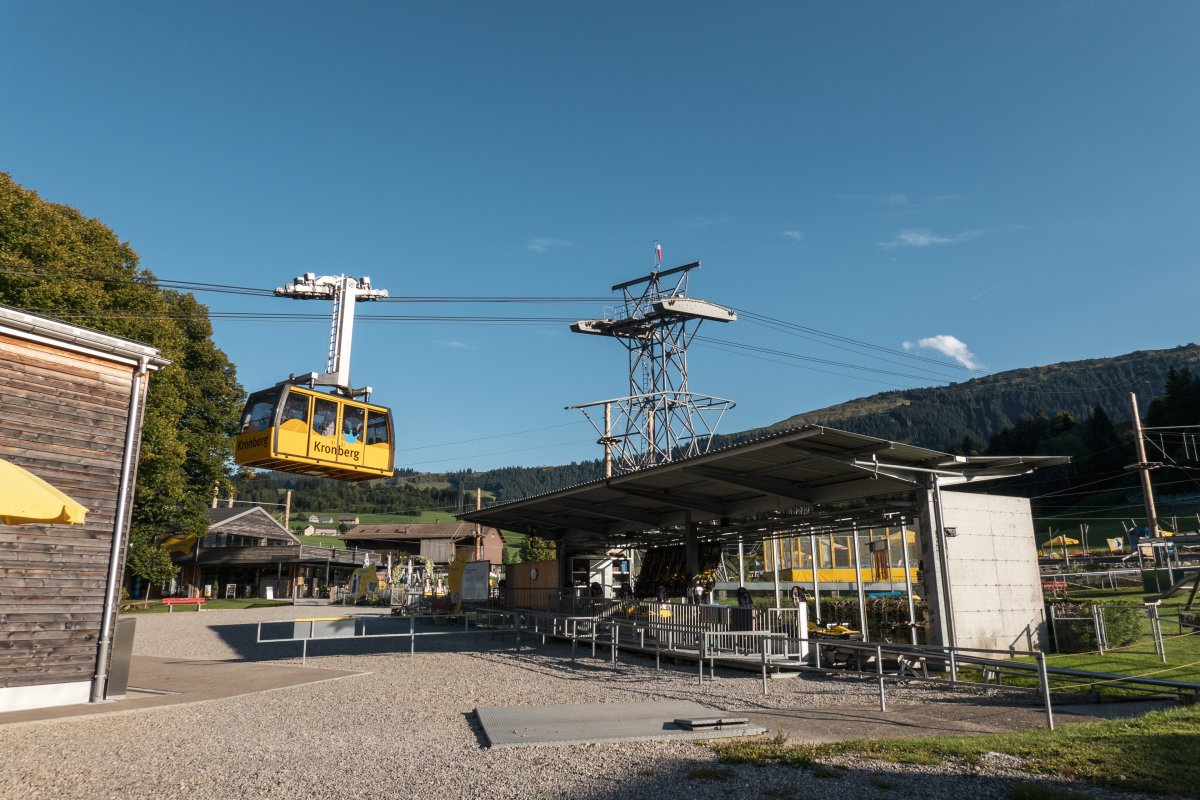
(976, 567)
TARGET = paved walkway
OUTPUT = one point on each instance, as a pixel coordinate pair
(171, 681)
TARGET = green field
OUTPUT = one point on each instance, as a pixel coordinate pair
(156, 606)
(1158, 752)
(1182, 646)
(373, 519)
(332, 542)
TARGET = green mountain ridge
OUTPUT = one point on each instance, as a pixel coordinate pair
(939, 417)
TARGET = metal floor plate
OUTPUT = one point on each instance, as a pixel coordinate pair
(523, 726)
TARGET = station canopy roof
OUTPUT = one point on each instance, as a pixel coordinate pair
(811, 479)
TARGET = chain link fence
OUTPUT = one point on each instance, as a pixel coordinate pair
(1103, 627)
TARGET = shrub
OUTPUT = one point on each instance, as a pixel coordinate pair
(1123, 625)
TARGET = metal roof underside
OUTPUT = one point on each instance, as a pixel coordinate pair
(803, 477)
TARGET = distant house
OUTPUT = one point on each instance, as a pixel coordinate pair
(313, 518)
(440, 542)
(248, 550)
(313, 530)
(347, 520)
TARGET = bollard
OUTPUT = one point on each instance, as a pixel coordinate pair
(1044, 685)
(879, 674)
(764, 668)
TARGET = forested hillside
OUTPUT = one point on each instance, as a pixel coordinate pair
(941, 417)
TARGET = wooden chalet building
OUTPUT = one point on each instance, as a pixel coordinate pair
(439, 542)
(247, 553)
(72, 416)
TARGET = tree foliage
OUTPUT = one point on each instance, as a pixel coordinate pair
(150, 563)
(58, 263)
(535, 548)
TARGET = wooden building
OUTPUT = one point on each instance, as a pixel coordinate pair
(439, 542)
(247, 553)
(71, 414)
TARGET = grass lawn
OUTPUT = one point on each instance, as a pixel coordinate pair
(1183, 650)
(377, 519)
(334, 542)
(1158, 752)
(156, 606)
(513, 542)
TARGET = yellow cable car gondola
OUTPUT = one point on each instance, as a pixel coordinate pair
(297, 429)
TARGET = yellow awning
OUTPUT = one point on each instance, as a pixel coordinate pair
(1061, 540)
(26, 499)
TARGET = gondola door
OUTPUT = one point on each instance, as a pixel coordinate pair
(323, 441)
(293, 429)
(350, 440)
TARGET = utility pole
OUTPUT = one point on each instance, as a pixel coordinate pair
(287, 510)
(1144, 467)
(478, 528)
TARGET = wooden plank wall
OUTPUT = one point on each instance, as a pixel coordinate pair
(63, 418)
(256, 524)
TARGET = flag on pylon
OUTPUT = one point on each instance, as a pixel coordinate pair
(657, 253)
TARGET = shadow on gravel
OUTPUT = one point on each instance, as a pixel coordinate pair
(441, 638)
(481, 738)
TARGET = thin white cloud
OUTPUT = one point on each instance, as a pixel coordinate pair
(452, 343)
(795, 236)
(546, 245)
(922, 237)
(950, 346)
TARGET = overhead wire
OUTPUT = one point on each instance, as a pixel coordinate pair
(813, 359)
(805, 329)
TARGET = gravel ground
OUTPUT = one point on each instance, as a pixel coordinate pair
(406, 727)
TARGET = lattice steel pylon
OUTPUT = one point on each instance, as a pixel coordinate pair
(660, 419)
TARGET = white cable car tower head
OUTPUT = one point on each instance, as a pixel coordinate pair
(345, 292)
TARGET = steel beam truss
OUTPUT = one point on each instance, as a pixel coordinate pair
(660, 419)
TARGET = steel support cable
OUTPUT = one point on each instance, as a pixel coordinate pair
(819, 340)
(1174, 463)
(785, 354)
(803, 366)
(269, 316)
(779, 323)
(484, 438)
(1071, 489)
(504, 452)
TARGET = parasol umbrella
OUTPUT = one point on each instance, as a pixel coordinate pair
(26, 499)
(1060, 540)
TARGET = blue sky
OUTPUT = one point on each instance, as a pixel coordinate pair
(1013, 183)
